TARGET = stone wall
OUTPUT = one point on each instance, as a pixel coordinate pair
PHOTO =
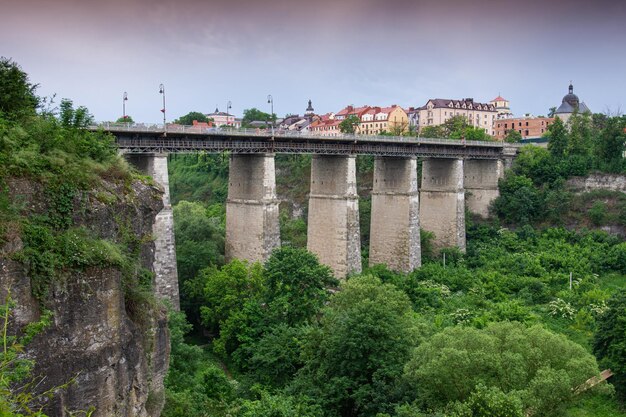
(611, 182)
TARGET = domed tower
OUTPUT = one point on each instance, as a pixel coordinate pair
(570, 104)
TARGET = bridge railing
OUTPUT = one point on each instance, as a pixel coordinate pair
(266, 133)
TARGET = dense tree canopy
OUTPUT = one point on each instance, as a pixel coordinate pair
(254, 115)
(354, 360)
(189, 118)
(610, 341)
(536, 366)
(17, 94)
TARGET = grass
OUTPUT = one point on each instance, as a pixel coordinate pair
(595, 405)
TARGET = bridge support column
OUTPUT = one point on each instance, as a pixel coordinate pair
(394, 231)
(481, 184)
(333, 230)
(164, 266)
(442, 202)
(252, 229)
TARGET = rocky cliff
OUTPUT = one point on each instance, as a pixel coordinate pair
(108, 334)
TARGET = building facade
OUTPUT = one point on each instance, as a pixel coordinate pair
(528, 127)
(221, 118)
(437, 111)
(377, 120)
(502, 107)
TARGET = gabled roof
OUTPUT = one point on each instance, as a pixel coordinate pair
(448, 103)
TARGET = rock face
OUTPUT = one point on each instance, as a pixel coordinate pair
(118, 362)
(611, 182)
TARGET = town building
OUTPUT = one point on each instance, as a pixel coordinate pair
(221, 118)
(502, 107)
(569, 105)
(529, 127)
(377, 120)
(437, 111)
(325, 125)
(298, 123)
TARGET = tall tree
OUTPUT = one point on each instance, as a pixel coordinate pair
(254, 115)
(609, 343)
(513, 136)
(190, 117)
(17, 94)
(354, 360)
(581, 135)
(349, 124)
(557, 139)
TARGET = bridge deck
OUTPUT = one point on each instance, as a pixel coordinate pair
(142, 139)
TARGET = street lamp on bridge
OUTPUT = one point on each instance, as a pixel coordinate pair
(124, 99)
(162, 92)
(270, 100)
(229, 106)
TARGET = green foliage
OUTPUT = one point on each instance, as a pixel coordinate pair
(489, 402)
(278, 406)
(513, 136)
(456, 127)
(349, 124)
(195, 385)
(519, 201)
(597, 213)
(17, 94)
(189, 118)
(128, 119)
(609, 343)
(353, 360)
(198, 177)
(516, 364)
(256, 115)
(297, 284)
(557, 138)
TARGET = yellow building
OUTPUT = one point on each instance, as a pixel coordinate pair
(377, 120)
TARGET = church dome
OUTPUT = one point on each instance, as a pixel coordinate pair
(571, 98)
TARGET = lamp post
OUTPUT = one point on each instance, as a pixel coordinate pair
(229, 106)
(124, 99)
(162, 92)
(270, 100)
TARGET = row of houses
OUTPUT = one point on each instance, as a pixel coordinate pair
(494, 117)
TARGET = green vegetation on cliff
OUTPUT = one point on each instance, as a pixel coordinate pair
(69, 214)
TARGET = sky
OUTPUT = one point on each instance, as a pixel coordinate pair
(360, 52)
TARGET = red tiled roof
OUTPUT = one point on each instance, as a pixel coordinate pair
(499, 98)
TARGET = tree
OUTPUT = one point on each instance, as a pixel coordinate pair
(609, 146)
(349, 124)
(519, 201)
(70, 117)
(190, 117)
(513, 136)
(580, 135)
(297, 284)
(254, 114)
(17, 94)
(128, 119)
(609, 343)
(551, 111)
(529, 365)
(433, 132)
(557, 139)
(353, 360)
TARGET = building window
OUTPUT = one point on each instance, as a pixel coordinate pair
(526, 134)
(526, 123)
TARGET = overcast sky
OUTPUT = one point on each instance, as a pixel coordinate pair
(375, 52)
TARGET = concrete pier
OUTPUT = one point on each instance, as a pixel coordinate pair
(481, 184)
(395, 231)
(252, 228)
(333, 227)
(442, 202)
(165, 270)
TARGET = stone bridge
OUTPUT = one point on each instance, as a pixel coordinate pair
(455, 173)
